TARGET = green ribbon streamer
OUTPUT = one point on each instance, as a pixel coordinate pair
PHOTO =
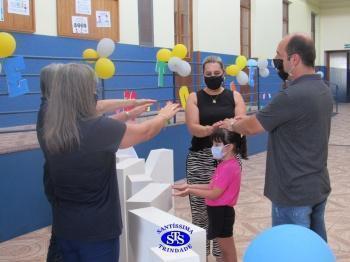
(161, 69)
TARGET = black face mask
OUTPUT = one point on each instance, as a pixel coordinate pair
(213, 82)
(280, 70)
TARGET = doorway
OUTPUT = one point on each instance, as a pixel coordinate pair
(184, 35)
(339, 73)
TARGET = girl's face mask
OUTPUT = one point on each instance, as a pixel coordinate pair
(217, 151)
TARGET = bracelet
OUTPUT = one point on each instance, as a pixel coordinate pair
(163, 116)
(166, 120)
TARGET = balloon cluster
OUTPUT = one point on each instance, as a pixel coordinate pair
(241, 76)
(104, 67)
(236, 70)
(7, 45)
(175, 60)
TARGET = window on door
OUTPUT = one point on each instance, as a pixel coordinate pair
(313, 26)
(183, 24)
(245, 28)
(285, 18)
(145, 10)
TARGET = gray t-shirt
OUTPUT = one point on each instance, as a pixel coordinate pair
(298, 120)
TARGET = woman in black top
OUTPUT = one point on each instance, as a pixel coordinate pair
(80, 147)
(205, 110)
(103, 106)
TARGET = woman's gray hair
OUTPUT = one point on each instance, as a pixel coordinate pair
(46, 76)
(213, 59)
(71, 100)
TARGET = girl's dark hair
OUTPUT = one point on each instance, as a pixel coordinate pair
(224, 136)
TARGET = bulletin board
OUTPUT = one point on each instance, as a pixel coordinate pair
(72, 16)
(17, 15)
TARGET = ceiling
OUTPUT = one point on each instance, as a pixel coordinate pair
(329, 4)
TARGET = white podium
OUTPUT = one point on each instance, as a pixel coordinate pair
(146, 204)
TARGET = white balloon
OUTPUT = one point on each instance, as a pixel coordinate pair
(105, 47)
(263, 63)
(242, 78)
(184, 69)
(174, 64)
(264, 72)
(320, 73)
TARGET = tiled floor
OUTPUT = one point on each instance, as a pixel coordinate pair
(253, 210)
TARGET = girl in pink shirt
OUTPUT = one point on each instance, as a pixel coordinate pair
(222, 192)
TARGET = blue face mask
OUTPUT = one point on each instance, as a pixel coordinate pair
(217, 152)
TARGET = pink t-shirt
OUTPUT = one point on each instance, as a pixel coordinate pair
(227, 176)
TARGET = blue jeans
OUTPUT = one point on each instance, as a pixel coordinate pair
(308, 216)
(84, 251)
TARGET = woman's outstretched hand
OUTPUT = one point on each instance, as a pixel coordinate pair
(182, 190)
(180, 187)
(182, 193)
(169, 110)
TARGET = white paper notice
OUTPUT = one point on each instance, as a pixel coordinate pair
(83, 7)
(80, 25)
(1, 10)
(103, 19)
(19, 7)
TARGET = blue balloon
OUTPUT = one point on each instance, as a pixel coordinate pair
(288, 243)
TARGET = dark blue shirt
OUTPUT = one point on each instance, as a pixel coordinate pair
(84, 181)
(298, 120)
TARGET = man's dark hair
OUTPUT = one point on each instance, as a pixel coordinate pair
(304, 47)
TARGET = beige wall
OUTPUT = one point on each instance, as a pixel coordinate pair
(216, 26)
(266, 28)
(334, 33)
(163, 23)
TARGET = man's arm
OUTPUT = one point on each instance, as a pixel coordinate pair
(245, 125)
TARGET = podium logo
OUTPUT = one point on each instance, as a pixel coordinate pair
(175, 238)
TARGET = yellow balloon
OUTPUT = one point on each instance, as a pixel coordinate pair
(7, 44)
(183, 94)
(163, 55)
(232, 70)
(241, 61)
(179, 51)
(104, 68)
(90, 54)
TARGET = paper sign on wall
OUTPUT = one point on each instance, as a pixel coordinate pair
(83, 7)
(103, 19)
(1, 10)
(80, 25)
(19, 7)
